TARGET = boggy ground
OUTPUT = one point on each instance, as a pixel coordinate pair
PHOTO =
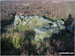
(19, 43)
(63, 42)
(56, 43)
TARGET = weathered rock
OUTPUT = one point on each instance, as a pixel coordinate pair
(47, 28)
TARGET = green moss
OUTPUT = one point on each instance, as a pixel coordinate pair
(16, 42)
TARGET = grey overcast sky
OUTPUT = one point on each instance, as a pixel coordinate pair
(35, 0)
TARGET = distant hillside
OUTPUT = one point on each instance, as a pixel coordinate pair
(44, 8)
